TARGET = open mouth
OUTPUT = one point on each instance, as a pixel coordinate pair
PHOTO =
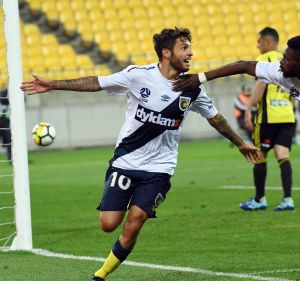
(187, 61)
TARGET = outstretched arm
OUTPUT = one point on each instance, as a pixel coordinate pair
(41, 85)
(193, 81)
(249, 151)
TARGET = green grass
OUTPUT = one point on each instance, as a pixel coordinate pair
(199, 225)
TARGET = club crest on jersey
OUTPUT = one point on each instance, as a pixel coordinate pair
(294, 93)
(184, 103)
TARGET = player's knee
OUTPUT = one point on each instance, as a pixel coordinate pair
(107, 226)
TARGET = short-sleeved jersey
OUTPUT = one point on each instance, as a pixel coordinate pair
(270, 72)
(275, 105)
(148, 140)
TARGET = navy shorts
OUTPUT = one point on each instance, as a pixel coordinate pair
(124, 188)
(265, 136)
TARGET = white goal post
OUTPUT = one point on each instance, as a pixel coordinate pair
(23, 238)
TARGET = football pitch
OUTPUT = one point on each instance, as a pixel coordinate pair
(200, 232)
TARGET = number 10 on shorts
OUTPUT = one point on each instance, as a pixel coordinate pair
(122, 181)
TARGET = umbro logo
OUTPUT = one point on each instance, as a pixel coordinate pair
(165, 98)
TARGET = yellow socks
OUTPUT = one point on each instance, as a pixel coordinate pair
(111, 263)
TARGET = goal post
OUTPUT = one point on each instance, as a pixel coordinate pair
(23, 238)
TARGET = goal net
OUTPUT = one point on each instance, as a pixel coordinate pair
(15, 215)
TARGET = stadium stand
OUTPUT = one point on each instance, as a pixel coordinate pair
(121, 31)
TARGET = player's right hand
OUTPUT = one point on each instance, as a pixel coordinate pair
(186, 82)
(36, 86)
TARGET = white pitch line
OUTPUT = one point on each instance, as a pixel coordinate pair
(278, 271)
(162, 267)
(252, 187)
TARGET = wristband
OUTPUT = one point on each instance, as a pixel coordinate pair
(202, 77)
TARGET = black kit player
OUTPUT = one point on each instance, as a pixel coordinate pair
(138, 177)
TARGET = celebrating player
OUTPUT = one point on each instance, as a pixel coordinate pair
(145, 156)
(284, 73)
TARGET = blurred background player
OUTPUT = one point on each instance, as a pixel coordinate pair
(240, 105)
(5, 132)
(274, 127)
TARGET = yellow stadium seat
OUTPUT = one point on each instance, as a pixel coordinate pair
(70, 73)
(92, 4)
(62, 6)
(36, 64)
(83, 61)
(128, 23)
(115, 36)
(49, 50)
(30, 29)
(33, 39)
(130, 35)
(186, 22)
(134, 3)
(113, 25)
(139, 59)
(65, 50)
(133, 48)
(52, 62)
(81, 15)
(139, 12)
(68, 62)
(218, 30)
(77, 5)
(154, 12)
(144, 35)
(33, 51)
(124, 13)
(169, 12)
(49, 40)
(170, 22)
(48, 6)
(102, 70)
(110, 14)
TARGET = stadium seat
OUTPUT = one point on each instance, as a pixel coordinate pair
(91, 5)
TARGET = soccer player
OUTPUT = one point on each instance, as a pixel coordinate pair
(145, 156)
(274, 127)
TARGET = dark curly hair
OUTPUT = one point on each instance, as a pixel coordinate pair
(167, 39)
(294, 43)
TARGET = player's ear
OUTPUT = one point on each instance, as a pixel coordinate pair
(166, 53)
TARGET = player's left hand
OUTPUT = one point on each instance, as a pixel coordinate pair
(186, 82)
(249, 151)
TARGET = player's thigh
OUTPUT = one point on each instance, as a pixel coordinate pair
(283, 140)
(110, 220)
(281, 152)
(148, 195)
